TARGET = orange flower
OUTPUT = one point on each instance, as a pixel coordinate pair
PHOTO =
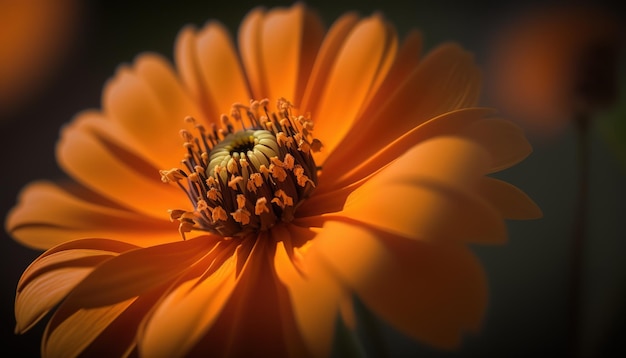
(34, 39)
(282, 222)
(553, 64)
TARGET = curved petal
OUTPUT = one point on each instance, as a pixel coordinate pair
(511, 202)
(404, 64)
(429, 194)
(505, 141)
(450, 123)
(360, 64)
(278, 48)
(256, 312)
(99, 163)
(48, 214)
(43, 294)
(210, 69)
(447, 79)
(434, 292)
(314, 293)
(148, 101)
(55, 273)
(251, 53)
(330, 47)
(73, 334)
(137, 271)
(191, 307)
(119, 337)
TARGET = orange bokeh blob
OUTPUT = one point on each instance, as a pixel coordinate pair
(34, 38)
(553, 64)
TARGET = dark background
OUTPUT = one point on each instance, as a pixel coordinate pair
(528, 276)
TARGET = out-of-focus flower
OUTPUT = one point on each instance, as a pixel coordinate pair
(34, 37)
(553, 64)
(362, 173)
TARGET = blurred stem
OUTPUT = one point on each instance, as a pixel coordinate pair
(578, 237)
(372, 331)
(347, 344)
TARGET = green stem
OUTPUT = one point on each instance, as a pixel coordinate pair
(578, 237)
(372, 331)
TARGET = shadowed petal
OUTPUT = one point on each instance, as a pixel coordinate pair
(314, 293)
(48, 214)
(51, 276)
(429, 193)
(278, 49)
(447, 79)
(149, 102)
(351, 81)
(99, 163)
(71, 335)
(330, 47)
(137, 271)
(510, 201)
(434, 292)
(258, 313)
(119, 338)
(504, 140)
(191, 308)
(450, 123)
(210, 69)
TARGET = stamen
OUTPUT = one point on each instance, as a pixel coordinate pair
(256, 160)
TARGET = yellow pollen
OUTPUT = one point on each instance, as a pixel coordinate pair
(214, 194)
(172, 175)
(202, 205)
(261, 206)
(289, 161)
(234, 181)
(278, 172)
(218, 213)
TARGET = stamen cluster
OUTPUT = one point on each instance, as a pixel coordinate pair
(245, 180)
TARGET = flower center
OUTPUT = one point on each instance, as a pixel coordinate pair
(246, 180)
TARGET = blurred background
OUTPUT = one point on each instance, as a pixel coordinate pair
(56, 55)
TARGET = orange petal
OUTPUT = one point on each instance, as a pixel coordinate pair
(251, 52)
(73, 334)
(505, 141)
(134, 272)
(53, 274)
(48, 214)
(386, 66)
(257, 313)
(289, 41)
(359, 65)
(99, 163)
(337, 175)
(404, 64)
(119, 338)
(446, 80)
(429, 193)
(43, 294)
(211, 69)
(314, 294)
(330, 47)
(511, 202)
(190, 309)
(148, 101)
(433, 292)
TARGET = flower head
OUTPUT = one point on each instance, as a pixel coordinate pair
(553, 64)
(312, 166)
(35, 38)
